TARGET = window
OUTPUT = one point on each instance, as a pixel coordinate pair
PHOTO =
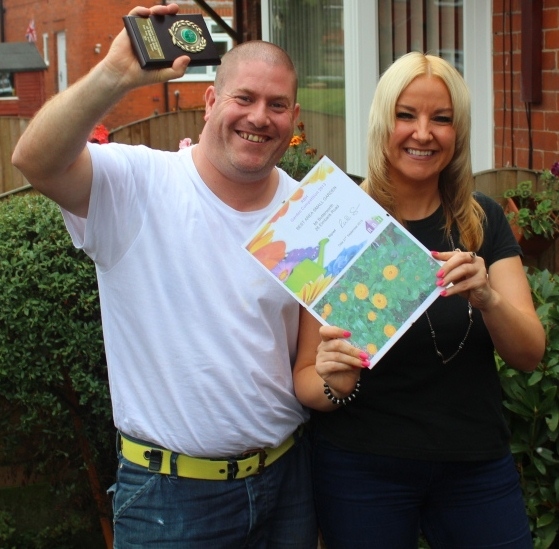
(421, 25)
(351, 42)
(223, 43)
(6, 84)
(313, 34)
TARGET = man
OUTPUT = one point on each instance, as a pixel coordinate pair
(199, 340)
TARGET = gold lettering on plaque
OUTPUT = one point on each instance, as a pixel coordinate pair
(149, 38)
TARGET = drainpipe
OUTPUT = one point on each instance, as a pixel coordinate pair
(2, 11)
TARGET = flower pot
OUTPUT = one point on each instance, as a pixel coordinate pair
(533, 246)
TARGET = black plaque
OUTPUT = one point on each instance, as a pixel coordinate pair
(158, 40)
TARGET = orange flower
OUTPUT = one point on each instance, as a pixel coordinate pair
(295, 141)
(372, 349)
(379, 301)
(390, 272)
(361, 291)
(271, 254)
(389, 330)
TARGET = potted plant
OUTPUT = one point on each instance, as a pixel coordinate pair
(534, 213)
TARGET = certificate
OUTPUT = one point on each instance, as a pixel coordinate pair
(347, 260)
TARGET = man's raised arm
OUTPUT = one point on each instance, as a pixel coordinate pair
(52, 152)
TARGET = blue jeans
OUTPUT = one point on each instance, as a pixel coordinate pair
(271, 510)
(375, 502)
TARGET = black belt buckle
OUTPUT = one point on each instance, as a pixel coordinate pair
(232, 469)
(155, 460)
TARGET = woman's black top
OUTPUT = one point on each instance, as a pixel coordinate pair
(411, 404)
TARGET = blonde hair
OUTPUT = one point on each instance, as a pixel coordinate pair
(456, 182)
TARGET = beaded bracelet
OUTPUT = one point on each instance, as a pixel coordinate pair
(345, 400)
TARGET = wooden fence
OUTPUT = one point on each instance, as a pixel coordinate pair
(163, 131)
(159, 132)
(326, 133)
(10, 130)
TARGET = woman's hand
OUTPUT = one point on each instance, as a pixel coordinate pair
(325, 356)
(465, 274)
(504, 299)
(338, 363)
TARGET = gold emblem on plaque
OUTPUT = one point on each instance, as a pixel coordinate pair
(187, 36)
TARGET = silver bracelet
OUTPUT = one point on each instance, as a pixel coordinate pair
(345, 400)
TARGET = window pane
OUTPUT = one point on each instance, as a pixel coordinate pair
(430, 26)
(312, 32)
(6, 84)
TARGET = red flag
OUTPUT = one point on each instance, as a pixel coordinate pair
(30, 33)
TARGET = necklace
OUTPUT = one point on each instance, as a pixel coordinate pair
(433, 335)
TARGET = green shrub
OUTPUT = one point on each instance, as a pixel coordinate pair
(532, 402)
(55, 413)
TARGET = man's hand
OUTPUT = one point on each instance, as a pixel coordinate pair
(122, 65)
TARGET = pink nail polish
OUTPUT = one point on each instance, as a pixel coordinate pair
(440, 273)
(347, 334)
(363, 355)
(434, 253)
(440, 282)
(365, 363)
(443, 293)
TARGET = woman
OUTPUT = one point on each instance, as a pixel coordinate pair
(421, 445)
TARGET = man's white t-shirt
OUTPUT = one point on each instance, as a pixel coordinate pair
(199, 339)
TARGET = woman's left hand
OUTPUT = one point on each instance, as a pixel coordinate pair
(465, 274)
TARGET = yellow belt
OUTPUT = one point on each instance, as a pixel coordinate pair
(158, 460)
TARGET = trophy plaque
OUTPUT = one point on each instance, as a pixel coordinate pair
(158, 40)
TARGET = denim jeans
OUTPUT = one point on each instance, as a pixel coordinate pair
(271, 510)
(373, 502)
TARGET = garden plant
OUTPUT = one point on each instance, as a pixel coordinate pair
(55, 413)
(532, 403)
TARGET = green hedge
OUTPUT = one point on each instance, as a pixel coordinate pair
(532, 402)
(55, 413)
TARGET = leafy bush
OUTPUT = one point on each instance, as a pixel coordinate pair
(532, 401)
(55, 413)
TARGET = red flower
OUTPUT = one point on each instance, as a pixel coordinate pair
(100, 135)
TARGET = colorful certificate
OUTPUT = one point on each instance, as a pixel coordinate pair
(348, 261)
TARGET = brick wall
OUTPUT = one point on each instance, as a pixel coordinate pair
(512, 122)
(87, 24)
(30, 92)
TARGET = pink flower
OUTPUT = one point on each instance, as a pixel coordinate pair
(184, 143)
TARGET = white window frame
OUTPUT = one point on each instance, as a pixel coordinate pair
(210, 70)
(362, 74)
